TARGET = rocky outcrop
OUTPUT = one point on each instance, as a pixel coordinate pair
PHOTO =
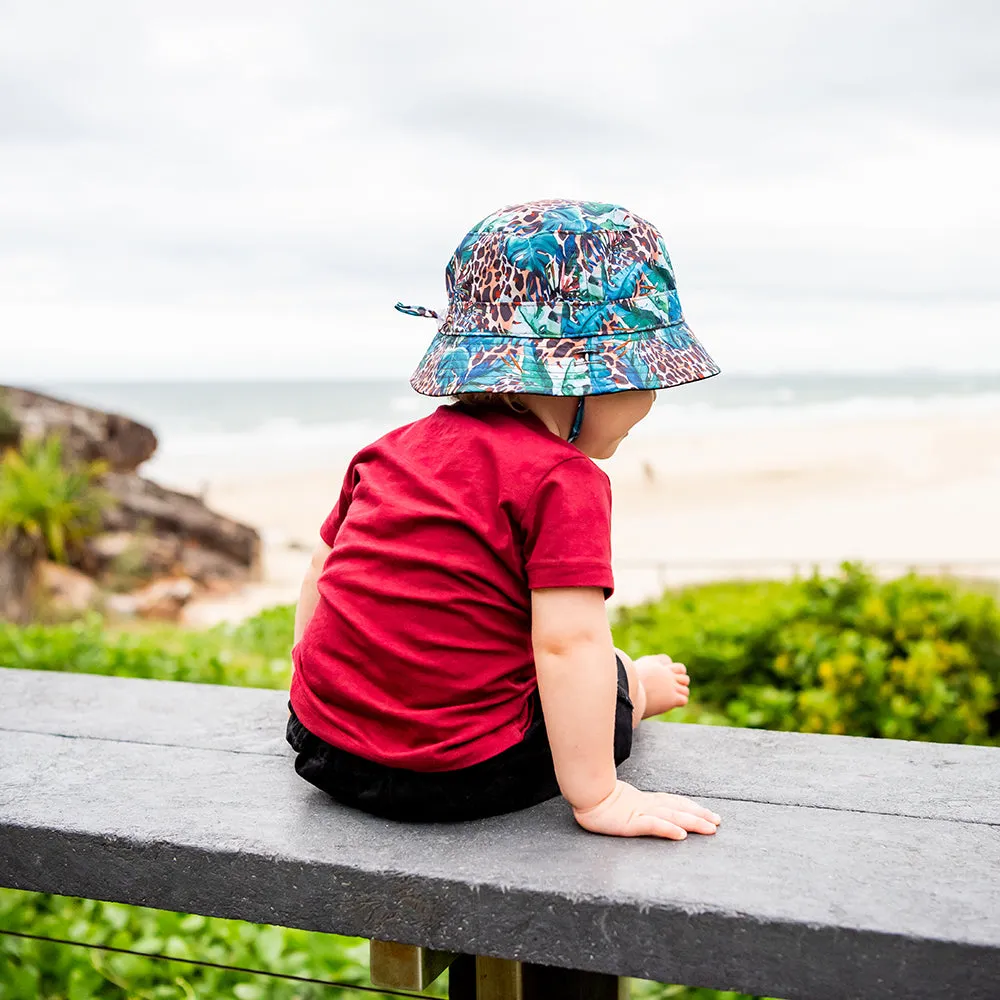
(66, 592)
(162, 600)
(144, 506)
(120, 557)
(87, 434)
(122, 560)
(158, 548)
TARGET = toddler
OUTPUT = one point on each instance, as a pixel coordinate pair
(452, 653)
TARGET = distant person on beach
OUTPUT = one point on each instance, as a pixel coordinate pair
(452, 653)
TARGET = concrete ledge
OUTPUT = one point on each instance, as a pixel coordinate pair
(844, 867)
(896, 777)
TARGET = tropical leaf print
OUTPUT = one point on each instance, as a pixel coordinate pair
(606, 216)
(465, 251)
(532, 253)
(535, 373)
(661, 272)
(666, 305)
(621, 283)
(640, 318)
(592, 288)
(453, 362)
(574, 379)
(542, 321)
(583, 320)
(480, 363)
(564, 219)
(653, 281)
(631, 365)
(677, 336)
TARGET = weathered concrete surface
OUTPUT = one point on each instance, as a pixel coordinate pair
(206, 716)
(936, 781)
(813, 901)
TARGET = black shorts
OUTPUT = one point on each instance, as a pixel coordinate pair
(520, 776)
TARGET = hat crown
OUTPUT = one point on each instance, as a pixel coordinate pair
(560, 298)
(558, 250)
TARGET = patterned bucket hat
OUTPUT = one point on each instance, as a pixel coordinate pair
(560, 298)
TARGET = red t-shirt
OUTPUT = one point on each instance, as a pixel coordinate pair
(419, 652)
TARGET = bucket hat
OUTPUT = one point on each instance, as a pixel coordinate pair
(560, 298)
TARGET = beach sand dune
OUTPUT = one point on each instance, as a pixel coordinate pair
(711, 504)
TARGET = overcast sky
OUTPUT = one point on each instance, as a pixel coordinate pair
(244, 189)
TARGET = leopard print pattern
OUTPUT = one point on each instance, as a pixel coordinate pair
(563, 298)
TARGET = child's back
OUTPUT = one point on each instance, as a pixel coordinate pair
(418, 652)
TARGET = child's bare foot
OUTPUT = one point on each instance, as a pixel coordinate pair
(665, 683)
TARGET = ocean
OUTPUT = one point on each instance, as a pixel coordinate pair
(209, 429)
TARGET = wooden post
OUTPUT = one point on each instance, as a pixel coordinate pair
(486, 978)
(405, 966)
(480, 977)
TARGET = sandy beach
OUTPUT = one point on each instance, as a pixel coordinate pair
(698, 505)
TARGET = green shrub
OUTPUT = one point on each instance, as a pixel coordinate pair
(254, 654)
(44, 498)
(32, 969)
(912, 658)
(268, 634)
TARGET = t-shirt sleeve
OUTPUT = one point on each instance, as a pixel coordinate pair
(567, 527)
(330, 527)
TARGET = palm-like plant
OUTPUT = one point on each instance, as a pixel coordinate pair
(42, 499)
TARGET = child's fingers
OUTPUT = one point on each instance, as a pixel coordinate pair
(679, 818)
(692, 823)
(648, 825)
(682, 804)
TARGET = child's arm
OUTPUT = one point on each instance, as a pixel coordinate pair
(309, 595)
(577, 682)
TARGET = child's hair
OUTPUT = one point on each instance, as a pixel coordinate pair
(492, 399)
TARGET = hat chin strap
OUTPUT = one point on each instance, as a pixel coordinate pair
(574, 432)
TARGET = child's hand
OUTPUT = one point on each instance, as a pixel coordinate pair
(627, 812)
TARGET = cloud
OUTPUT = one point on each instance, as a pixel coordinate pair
(292, 170)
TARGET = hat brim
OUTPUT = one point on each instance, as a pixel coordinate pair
(659, 358)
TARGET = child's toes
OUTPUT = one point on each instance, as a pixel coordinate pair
(679, 668)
